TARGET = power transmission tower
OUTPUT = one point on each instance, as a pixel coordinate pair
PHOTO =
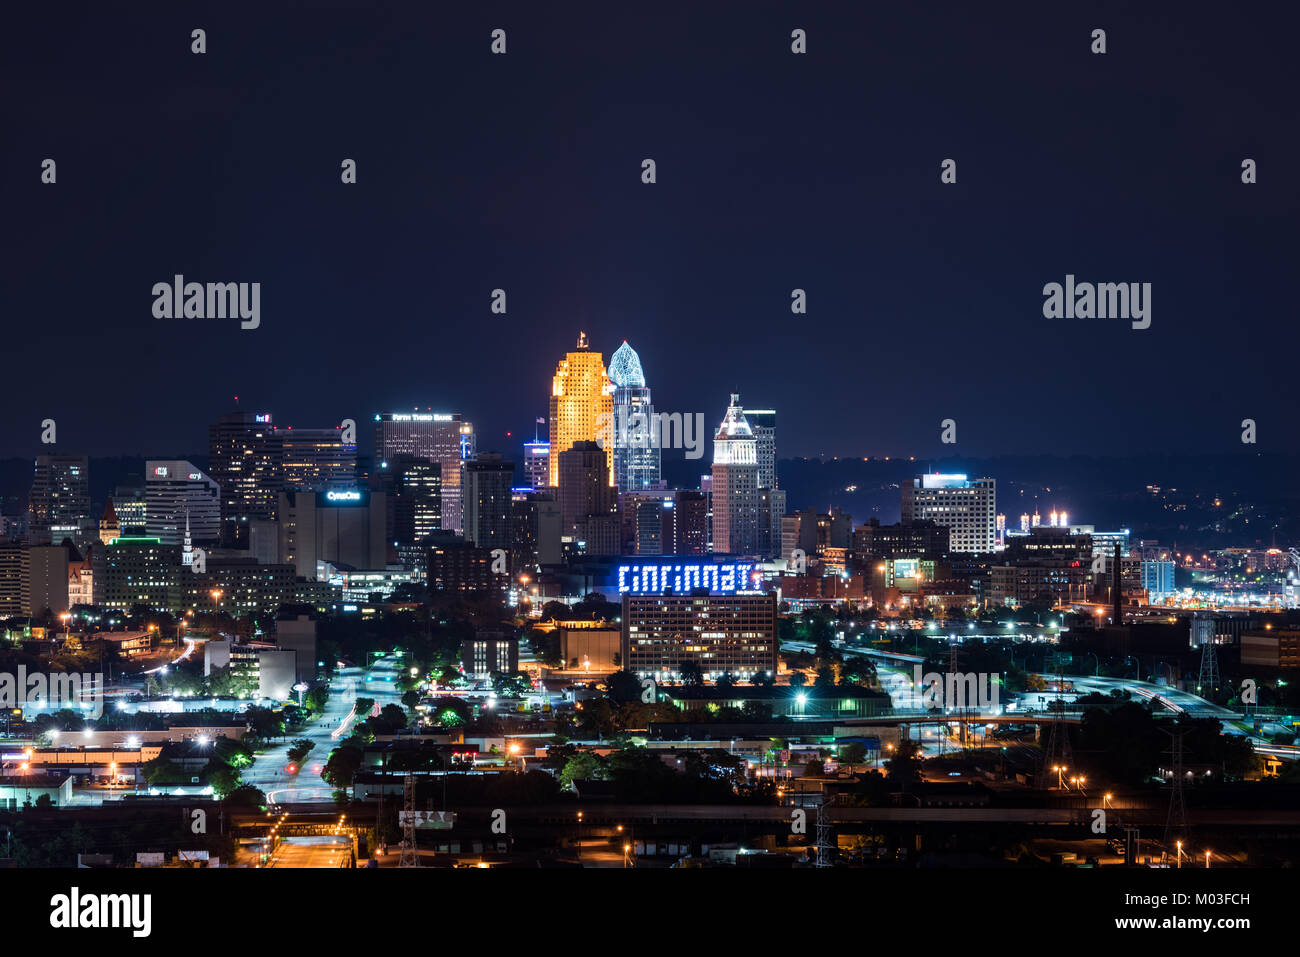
(410, 857)
(1176, 822)
(1208, 682)
(826, 845)
(1057, 750)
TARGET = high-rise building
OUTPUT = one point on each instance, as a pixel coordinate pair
(316, 460)
(763, 424)
(583, 479)
(1158, 580)
(130, 508)
(60, 494)
(967, 507)
(414, 487)
(537, 464)
(718, 634)
(138, 571)
(633, 428)
(344, 527)
(664, 522)
(178, 495)
(581, 403)
(246, 460)
(442, 437)
(15, 579)
(737, 524)
(459, 569)
(537, 528)
(486, 483)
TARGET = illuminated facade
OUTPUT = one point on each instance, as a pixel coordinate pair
(245, 459)
(439, 437)
(177, 493)
(317, 459)
(636, 440)
(738, 527)
(967, 507)
(581, 394)
(60, 493)
(719, 634)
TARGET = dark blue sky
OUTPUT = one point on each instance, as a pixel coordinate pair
(775, 171)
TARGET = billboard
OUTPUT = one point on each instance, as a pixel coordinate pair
(720, 578)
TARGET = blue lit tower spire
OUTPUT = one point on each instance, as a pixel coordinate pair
(635, 431)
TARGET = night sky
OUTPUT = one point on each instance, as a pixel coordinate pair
(775, 171)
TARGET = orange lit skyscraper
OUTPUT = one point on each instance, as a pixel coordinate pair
(580, 394)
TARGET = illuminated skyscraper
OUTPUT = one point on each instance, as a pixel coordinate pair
(436, 436)
(580, 396)
(60, 493)
(246, 460)
(968, 507)
(636, 445)
(487, 483)
(736, 512)
(316, 460)
(177, 493)
(537, 463)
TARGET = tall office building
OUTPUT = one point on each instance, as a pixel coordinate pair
(414, 487)
(538, 528)
(967, 507)
(15, 579)
(440, 437)
(738, 521)
(316, 460)
(584, 488)
(246, 460)
(486, 483)
(580, 396)
(634, 432)
(537, 464)
(137, 571)
(130, 508)
(60, 494)
(763, 424)
(179, 496)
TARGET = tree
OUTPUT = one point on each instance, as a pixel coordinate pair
(691, 673)
(246, 796)
(855, 752)
(905, 764)
(624, 686)
(583, 766)
(300, 749)
(341, 768)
